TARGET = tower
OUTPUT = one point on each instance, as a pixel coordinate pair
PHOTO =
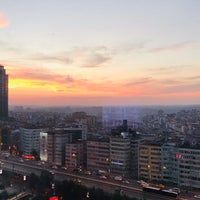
(3, 93)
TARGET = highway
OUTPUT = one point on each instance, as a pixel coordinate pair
(26, 167)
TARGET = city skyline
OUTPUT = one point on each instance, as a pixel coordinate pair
(101, 53)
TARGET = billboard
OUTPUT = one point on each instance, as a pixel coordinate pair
(53, 198)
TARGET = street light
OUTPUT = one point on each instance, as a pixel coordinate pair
(149, 172)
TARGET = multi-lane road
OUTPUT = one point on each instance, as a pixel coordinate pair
(26, 167)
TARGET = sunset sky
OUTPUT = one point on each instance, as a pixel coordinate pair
(101, 52)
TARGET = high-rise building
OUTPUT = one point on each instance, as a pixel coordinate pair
(3, 93)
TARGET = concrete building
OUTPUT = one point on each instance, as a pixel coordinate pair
(170, 172)
(120, 157)
(98, 154)
(134, 157)
(30, 140)
(149, 167)
(59, 137)
(43, 146)
(74, 154)
(181, 166)
(3, 94)
(189, 167)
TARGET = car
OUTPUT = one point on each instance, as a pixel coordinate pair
(103, 177)
(126, 181)
(65, 168)
(197, 196)
(142, 183)
(88, 172)
(163, 186)
(176, 190)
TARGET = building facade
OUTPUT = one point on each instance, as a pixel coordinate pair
(120, 154)
(57, 140)
(149, 167)
(170, 172)
(43, 146)
(74, 154)
(30, 141)
(3, 94)
(189, 167)
(134, 157)
(98, 154)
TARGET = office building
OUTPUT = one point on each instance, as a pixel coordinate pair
(120, 154)
(74, 153)
(59, 137)
(188, 160)
(30, 141)
(98, 154)
(3, 94)
(134, 157)
(150, 162)
(170, 171)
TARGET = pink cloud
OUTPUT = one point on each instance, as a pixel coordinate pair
(174, 47)
(3, 21)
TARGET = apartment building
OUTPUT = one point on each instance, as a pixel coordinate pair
(57, 140)
(120, 154)
(135, 141)
(149, 167)
(30, 140)
(189, 167)
(74, 155)
(98, 154)
(170, 163)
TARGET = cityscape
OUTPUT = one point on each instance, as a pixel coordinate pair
(138, 147)
(99, 100)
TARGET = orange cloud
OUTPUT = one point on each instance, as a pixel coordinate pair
(35, 86)
(3, 21)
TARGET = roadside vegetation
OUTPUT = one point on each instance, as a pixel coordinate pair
(70, 190)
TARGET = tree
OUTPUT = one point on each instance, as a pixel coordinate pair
(33, 181)
(45, 180)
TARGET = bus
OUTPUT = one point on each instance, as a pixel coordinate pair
(160, 191)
